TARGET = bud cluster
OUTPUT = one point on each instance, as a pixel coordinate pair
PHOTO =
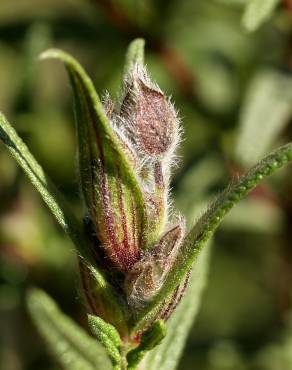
(126, 152)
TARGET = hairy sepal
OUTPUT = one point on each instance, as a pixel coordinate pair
(148, 275)
(111, 190)
(105, 302)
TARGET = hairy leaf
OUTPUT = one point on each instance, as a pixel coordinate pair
(42, 183)
(57, 205)
(208, 223)
(108, 336)
(73, 348)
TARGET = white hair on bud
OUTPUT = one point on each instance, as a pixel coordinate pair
(148, 128)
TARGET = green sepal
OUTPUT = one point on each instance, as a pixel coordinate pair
(149, 340)
(134, 55)
(107, 336)
(72, 347)
(205, 227)
(111, 190)
(103, 300)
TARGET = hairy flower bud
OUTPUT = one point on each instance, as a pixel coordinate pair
(150, 120)
(150, 125)
(147, 276)
(125, 156)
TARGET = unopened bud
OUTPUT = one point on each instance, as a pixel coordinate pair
(148, 116)
(147, 276)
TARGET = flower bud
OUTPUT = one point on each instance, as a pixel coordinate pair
(149, 118)
(147, 276)
(125, 155)
(149, 122)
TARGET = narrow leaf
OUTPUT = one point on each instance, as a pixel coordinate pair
(111, 190)
(108, 336)
(167, 355)
(57, 205)
(257, 12)
(265, 112)
(72, 346)
(150, 339)
(42, 183)
(208, 223)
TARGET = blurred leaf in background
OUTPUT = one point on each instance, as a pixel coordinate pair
(233, 91)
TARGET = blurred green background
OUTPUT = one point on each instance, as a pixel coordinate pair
(233, 90)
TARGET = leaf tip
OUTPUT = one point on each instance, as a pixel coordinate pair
(58, 54)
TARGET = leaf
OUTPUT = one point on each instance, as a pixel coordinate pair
(151, 338)
(111, 190)
(167, 355)
(71, 345)
(257, 12)
(265, 112)
(210, 220)
(54, 200)
(134, 55)
(108, 336)
(58, 206)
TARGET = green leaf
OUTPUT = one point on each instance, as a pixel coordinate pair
(167, 355)
(72, 346)
(110, 188)
(58, 206)
(134, 55)
(209, 221)
(150, 339)
(108, 336)
(257, 12)
(265, 112)
(42, 183)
